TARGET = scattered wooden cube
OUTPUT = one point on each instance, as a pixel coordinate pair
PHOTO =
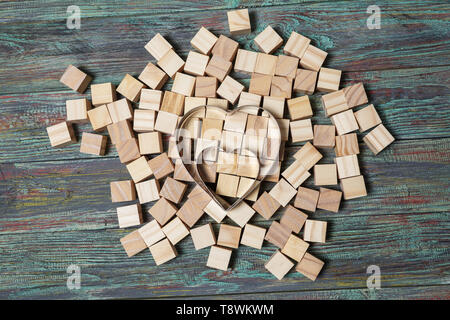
(231, 141)
(194, 102)
(163, 210)
(148, 191)
(175, 230)
(313, 58)
(355, 95)
(306, 199)
(239, 22)
(283, 192)
(99, 118)
(346, 144)
(203, 236)
(344, 122)
(61, 134)
(253, 236)
(260, 84)
(227, 162)
(206, 87)
(227, 185)
(173, 190)
(212, 129)
(218, 67)
(295, 248)
(324, 136)
(129, 216)
(256, 125)
(144, 120)
(182, 171)
(296, 45)
(163, 251)
(315, 231)
(301, 130)
(266, 205)
(245, 61)
(308, 156)
(279, 265)
(325, 174)
(122, 191)
(329, 79)
(347, 166)
(305, 81)
(139, 169)
(161, 166)
(299, 108)
(248, 167)
(275, 105)
(204, 40)
(278, 234)
(283, 127)
(166, 122)
(76, 110)
(309, 266)
(266, 64)
(206, 150)
(150, 99)
(75, 79)
(235, 122)
(133, 243)
(219, 258)
(190, 212)
(270, 169)
(103, 93)
(229, 236)
(281, 87)
(220, 103)
(286, 66)
(158, 46)
(252, 146)
(183, 84)
(244, 185)
(196, 63)
(378, 139)
(208, 171)
(249, 99)
(296, 174)
(120, 110)
(225, 48)
(367, 118)
(334, 102)
(268, 40)
(329, 199)
(128, 150)
(353, 187)
(230, 89)
(215, 211)
(92, 143)
(293, 219)
(153, 77)
(130, 88)
(171, 63)
(241, 214)
(201, 197)
(151, 233)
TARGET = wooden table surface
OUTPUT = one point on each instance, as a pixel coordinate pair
(55, 205)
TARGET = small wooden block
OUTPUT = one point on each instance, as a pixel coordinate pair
(129, 216)
(122, 191)
(286, 66)
(103, 93)
(128, 150)
(130, 88)
(166, 122)
(236, 122)
(293, 219)
(229, 236)
(212, 129)
(248, 167)
(313, 58)
(283, 192)
(171, 63)
(203, 236)
(183, 84)
(353, 187)
(99, 118)
(279, 265)
(271, 169)
(205, 87)
(231, 141)
(329, 199)
(253, 236)
(92, 143)
(266, 205)
(196, 63)
(244, 185)
(378, 139)
(299, 108)
(325, 174)
(347, 166)
(249, 99)
(120, 110)
(268, 40)
(158, 46)
(221, 103)
(367, 118)
(161, 166)
(256, 125)
(241, 214)
(163, 251)
(305, 81)
(144, 120)
(306, 199)
(308, 155)
(150, 99)
(301, 130)
(227, 162)
(346, 144)
(239, 22)
(278, 234)
(283, 126)
(173, 190)
(182, 171)
(295, 248)
(76, 110)
(329, 79)
(230, 89)
(225, 48)
(344, 122)
(227, 185)
(163, 211)
(204, 41)
(260, 84)
(296, 45)
(355, 95)
(190, 213)
(218, 67)
(309, 266)
(266, 64)
(296, 173)
(75, 79)
(175, 230)
(153, 77)
(324, 136)
(334, 102)
(315, 231)
(151, 233)
(281, 87)
(275, 105)
(245, 61)
(61, 134)
(133, 243)
(148, 191)
(139, 169)
(201, 197)
(252, 146)
(206, 149)
(219, 258)
(208, 171)
(194, 102)
(215, 211)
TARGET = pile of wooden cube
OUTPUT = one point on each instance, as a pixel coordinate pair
(204, 79)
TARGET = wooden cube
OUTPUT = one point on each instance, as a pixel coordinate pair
(283, 192)
(230, 89)
(212, 129)
(163, 211)
(296, 174)
(266, 64)
(144, 120)
(239, 22)
(139, 169)
(161, 166)
(275, 105)
(225, 48)
(208, 171)
(249, 99)
(306, 199)
(220, 103)
(367, 118)
(308, 155)
(229, 236)
(299, 108)
(175, 231)
(75, 79)
(61, 134)
(173, 190)
(148, 191)
(346, 144)
(244, 185)
(120, 110)
(268, 40)
(99, 118)
(206, 150)
(158, 46)
(266, 205)
(130, 88)
(278, 234)
(283, 127)
(353, 187)
(305, 81)
(196, 63)
(309, 266)
(315, 231)
(183, 84)
(347, 166)
(150, 99)
(219, 258)
(190, 213)
(76, 110)
(329, 199)
(324, 136)
(166, 122)
(122, 191)
(201, 197)
(231, 141)
(227, 185)
(171, 63)
(129, 216)
(344, 122)
(325, 174)
(378, 139)
(133, 243)
(206, 87)
(241, 214)
(204, 41)
(281, 87)
(295, 248)
(203, 236)
(293, 219)
(103, 93)
(215, 211)
(296, 45)
(245, 61)
(329, 80)
(260, 84)
(313, 58)
(153, 77)
(128, 150)
(256, 125)
(286, 66)
(252, 146)
(253, 236)
(218, 67)
(151, 233)
(173, 102)
(334, 102)
(163, 251)
(227, 162)
(194, 102)
(182, 171)
(279, 265)
(236, 122)
(92, 143)
(301, 130)
(355, 95)
(248, 167)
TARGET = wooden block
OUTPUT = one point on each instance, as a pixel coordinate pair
(271, 169)
(347, 166)
(151, 233)
(325, 174)
(144, 120)
(245, 61)
(283, 192)
(208, 171)
(206, 150)
(173, 190)
(221, 103)
(120, 110)
(308, 155)
(306, 199)
(75, 79)
(252, 146)
(219, 258)
(329, 80)
(367, 118)
(184, 85)
(266, 64)
(230, 89)
(158, 46)
(268, 40)
(353, 187)
(244, 185)
(236, 122)
(103, 93)
(194, 102)
(301, 130)
(278, 234)
(163, 210)
(248, 167)
(296, 45)
(203, 236)
(99, 118)
(61, 134)
(260, 84)
(215, 211)
(293, 219)
(122, 191)
(181, 171)
(275, 105)
(206, 87)
(227, 162)
(133, 243)
(166, 122)
(163, 251)
(190, 213)
(299, 108)
(324, 136)
(296, 174)
(161, 166)
(378, 139)
(218, 67)
(225, 48)
(241, 214)
(256, 125)
(139, 169)
(201, 197)
(286, 66)
(344, 122)
(128, 150)
(196, 63)
(204, 41)
(355, 95)
(346, 144)
(153, 77)
(281, 87)
(305, 81)
(266, 205)
(239, 22)
(148, 191)
(93, 144)
(253, 236)
(76, 110)
(279, 265)
(313, 58)
(295, 248)
(175, 231)
(309, 266)
(150, 99)
(130, 88)
(329, 199)
(227, 185)
(334, 102)
(185, 147)
(283, 127)
(315, 231)
(171, 63)
(229, 236)
(249, 99)
(129, 216)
